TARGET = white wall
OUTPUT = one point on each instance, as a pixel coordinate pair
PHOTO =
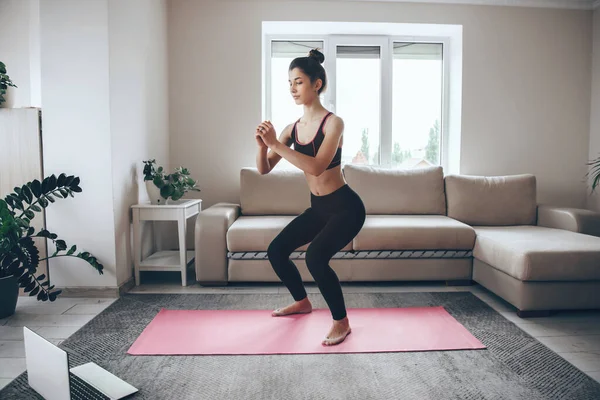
(19, 49)
(526, 87)
(105, 110)
(594, 200)
(138, 109)
(77, 136)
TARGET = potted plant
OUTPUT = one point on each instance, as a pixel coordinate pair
(5, 82)
(161, 186)
(594, 172)
(19, 256)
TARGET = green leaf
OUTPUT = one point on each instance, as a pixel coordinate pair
(158, 182)
(27, 194)
(43, 202)
(61, 245)
(54, 294)
(49, 197)
(52, 181)
(76, 189)
(30, 231)
(62, 178)
(29, 214)
(64, 192)
(72, 250)
(22, 222)
(45, 185)
(30, 287)
(16, 201)
(41, 277)
(74, 182)
(166, 191)
(34, 291)
(44, 233)
(36, 188)
(10, 202)
(36, 208)
(177, 195)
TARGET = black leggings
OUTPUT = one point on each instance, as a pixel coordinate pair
(331, 222)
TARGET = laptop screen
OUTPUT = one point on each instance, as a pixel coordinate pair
(47, 367)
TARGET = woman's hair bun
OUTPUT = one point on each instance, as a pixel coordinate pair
(317, 55)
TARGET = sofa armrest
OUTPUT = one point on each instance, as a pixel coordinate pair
(212, 225)
(570, 219)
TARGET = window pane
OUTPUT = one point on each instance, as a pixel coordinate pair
(417, 105)
(284, 110)
(358, 97)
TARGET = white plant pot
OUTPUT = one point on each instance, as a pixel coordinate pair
(154, 194)
(9, 97)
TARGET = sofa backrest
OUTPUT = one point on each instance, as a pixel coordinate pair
(389, 191)
(492, 200)
(277, 193)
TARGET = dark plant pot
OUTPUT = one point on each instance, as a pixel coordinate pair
(9, 294)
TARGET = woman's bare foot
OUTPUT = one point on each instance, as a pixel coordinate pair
(338, 332)
(298, 307)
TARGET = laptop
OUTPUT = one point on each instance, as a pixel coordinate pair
(48, 374)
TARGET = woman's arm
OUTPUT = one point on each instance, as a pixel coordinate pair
(311, 165)
(266, 162)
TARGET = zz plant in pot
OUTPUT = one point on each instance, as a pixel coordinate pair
(19, 255)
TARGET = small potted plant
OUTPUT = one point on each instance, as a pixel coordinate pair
(5, 82)
(594, 173)
(162, 187)
(19, 256)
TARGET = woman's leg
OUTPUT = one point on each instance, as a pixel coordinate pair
(337, 233)
(297, 233)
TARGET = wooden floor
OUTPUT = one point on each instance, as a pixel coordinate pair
(573, 335)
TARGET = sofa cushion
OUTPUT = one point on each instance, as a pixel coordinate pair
(413, 232)
(492, 200)
(255, 233)
(535, 253)
(279, 192)
(393, 191)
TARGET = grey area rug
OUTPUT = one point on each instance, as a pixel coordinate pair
(514, 365)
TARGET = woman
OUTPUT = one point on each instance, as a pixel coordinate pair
(336, 214)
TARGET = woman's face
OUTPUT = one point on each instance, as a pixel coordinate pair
(301, 89)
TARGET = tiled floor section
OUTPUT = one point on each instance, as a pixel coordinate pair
(573, 335)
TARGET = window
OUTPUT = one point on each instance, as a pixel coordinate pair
(417, 104)
(358, 95)
(389, 91)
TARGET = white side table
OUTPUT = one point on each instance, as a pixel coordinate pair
(177, 260)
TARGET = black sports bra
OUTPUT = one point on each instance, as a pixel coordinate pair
(311, 148)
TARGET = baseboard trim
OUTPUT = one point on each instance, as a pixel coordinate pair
(89, 292)
(127, 286)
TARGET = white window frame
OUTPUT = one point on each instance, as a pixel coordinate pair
(386, 43)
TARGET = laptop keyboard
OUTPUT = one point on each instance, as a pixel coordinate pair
(81, 390)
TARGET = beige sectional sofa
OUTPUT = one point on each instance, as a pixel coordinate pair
(420, 226)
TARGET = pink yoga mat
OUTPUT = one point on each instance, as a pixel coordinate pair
(229, 332)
